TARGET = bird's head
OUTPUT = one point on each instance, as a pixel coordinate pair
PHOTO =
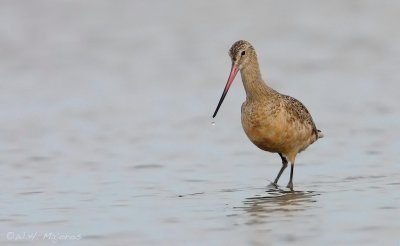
(241, 53)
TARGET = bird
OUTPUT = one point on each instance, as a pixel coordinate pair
(274, 122)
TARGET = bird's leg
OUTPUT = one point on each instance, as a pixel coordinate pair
(290, 184)
(284, 165)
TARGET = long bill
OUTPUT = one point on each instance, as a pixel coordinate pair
(232, 75)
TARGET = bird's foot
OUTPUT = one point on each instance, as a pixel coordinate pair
(290, 186)
(273, 184)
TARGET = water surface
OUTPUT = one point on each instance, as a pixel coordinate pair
(106, 134)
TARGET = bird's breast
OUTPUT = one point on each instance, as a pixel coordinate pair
(268, 128)
(263, 126)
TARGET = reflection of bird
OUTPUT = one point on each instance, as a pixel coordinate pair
(279, 200)
(273, 122)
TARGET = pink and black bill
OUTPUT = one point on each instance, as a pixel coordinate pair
(232, 75)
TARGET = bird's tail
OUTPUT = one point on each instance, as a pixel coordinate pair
(320, 134)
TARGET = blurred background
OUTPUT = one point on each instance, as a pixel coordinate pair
(105, 122)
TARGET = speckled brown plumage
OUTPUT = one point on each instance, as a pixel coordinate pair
(239, 46)
(272, 121)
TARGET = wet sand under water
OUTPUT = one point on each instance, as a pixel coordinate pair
(106, 136)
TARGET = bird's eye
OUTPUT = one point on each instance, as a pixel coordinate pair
(243, 53)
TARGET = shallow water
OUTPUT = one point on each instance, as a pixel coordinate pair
(106, 135)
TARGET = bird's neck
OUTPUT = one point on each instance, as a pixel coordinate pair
(253, 84)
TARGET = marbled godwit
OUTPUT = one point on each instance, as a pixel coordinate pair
(272, 121)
